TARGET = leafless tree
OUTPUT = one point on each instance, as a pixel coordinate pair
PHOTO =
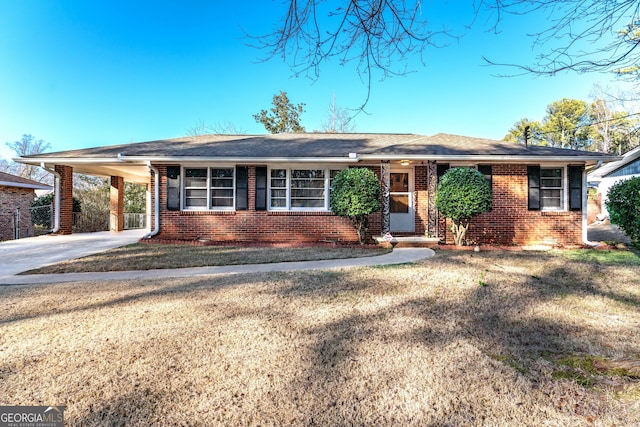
(339, 120)
(224, 128)
(26, 146)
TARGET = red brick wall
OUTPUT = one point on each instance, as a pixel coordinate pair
(510, 222)
(250, 225)
(12, 199)
(66, 199)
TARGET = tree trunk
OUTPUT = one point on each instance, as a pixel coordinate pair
(361, 225)
(459, 232)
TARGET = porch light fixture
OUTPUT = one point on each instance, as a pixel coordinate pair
(405, 162)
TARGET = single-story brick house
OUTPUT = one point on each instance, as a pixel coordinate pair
(274, 188)
(16, 195)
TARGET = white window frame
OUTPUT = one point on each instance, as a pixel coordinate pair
(208, 207)
(300, 166)
(563, 188)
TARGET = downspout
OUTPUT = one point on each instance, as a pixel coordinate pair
(585, 193)
(156, 197)
(56, 193)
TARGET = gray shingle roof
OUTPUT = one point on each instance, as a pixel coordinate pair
(321, 145)
(9, 180)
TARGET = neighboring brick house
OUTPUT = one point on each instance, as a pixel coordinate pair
(272, 188)
(16, 195)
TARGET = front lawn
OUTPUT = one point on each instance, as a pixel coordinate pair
(487, 339)
(139, 256)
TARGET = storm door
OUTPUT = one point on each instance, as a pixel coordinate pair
(402, 212)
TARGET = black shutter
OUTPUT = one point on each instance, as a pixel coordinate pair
(441, 169)
(261, 188)
(533, 173)
(242, 188)
(487, 171)
(173, 188)
(575, 187)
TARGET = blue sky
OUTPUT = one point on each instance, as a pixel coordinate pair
(83, 74)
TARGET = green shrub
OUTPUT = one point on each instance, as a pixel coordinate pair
(623, 204)
(355, 193)
(462, 194)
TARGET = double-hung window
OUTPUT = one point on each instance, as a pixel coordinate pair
(308, 188)
(555, 188)
(209, 188)
(300, 189)
(551, 189)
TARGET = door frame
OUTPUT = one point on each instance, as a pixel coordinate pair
(408, 224)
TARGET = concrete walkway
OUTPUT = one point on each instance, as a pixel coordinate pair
(42, 252)
(33, 252)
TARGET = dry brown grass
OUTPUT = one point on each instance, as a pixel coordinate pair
(491, 339)
(158, 256)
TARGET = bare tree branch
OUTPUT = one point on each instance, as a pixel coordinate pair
(377, 35)
(583, 35)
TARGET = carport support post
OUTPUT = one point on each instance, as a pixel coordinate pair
(116, 204)
(66, 198)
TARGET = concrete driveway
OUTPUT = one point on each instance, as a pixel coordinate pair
(606, 232)
(25, 254)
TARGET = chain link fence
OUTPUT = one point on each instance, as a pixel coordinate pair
(42, 219)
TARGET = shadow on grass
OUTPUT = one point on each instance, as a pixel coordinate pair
(498, 311)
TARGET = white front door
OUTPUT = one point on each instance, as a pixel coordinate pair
(402, 212)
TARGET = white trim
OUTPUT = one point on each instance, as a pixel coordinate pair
(25, 185)
(488, 158)
(482, 158)
(564, 190)
(297, 166)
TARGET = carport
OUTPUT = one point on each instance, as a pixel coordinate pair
(117, 170)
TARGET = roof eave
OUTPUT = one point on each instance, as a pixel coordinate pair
(25, 185)
(502, 158)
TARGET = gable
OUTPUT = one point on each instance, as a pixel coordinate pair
(632, 168)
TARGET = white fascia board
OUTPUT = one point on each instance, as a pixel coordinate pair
(23, 185)
(37, 161)
(493, 158)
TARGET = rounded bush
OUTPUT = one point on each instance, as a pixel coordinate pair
(623, 205)
(462, 194)
(355, 193)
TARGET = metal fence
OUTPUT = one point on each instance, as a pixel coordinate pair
(134, 221)
(42, 216)
(89, 221)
